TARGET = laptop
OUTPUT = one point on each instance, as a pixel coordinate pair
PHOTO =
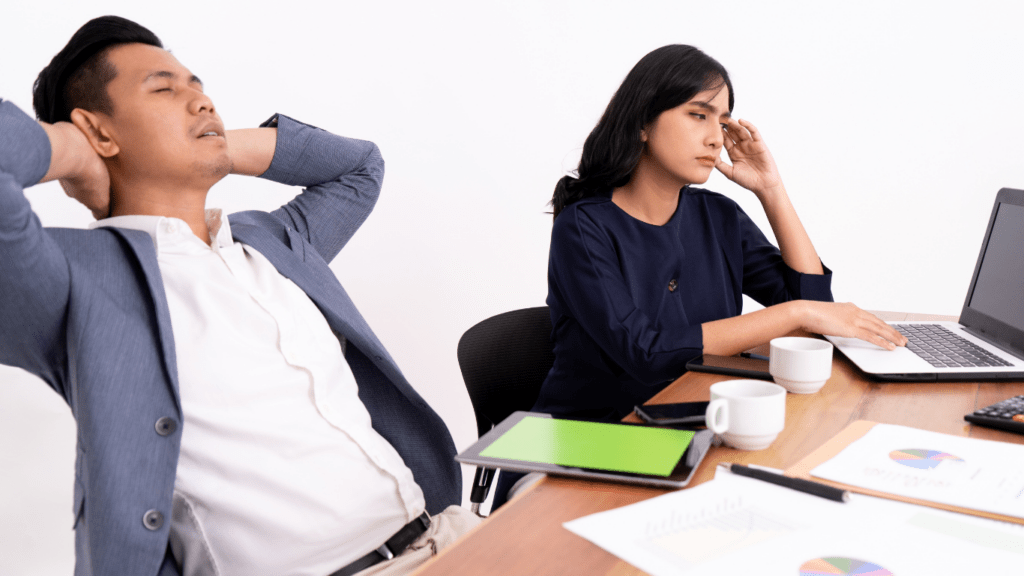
(988, 341)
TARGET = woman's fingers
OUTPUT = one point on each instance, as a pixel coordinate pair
(728, 143)
(875, 337)
(850, 321)
(883, 329)
(878, 332)
(878, 341)
(724, 168)
(738, 131)
(754, 134)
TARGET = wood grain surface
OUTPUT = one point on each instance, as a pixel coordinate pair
(526, 535)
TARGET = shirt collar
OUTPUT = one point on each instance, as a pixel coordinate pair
(166, 231)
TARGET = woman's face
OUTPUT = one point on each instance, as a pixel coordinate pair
(684, 142)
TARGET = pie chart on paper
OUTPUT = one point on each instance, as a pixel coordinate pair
(839, 566)
(922, 459)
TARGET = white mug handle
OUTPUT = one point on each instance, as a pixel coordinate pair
(716, 407)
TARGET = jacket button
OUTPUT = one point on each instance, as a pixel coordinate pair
(153, 520)
(166, 426)
(672, 285)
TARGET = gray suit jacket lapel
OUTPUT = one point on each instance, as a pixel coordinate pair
(142, 245)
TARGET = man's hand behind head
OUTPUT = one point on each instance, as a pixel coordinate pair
(82, 173)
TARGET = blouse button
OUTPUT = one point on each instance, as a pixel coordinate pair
(672, 285)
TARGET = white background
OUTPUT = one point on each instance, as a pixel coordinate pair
(893, 123)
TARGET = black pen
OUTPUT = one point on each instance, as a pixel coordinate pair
(753, 356)
(798, 484)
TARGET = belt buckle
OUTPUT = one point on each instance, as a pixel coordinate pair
(386, 552)
(424, 520)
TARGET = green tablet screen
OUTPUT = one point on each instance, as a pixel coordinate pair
(615, 447)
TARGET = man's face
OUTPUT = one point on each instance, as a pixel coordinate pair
(165, 127)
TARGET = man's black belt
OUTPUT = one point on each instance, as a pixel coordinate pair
(393, 547)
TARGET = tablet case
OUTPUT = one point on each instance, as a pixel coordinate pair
(699, 446)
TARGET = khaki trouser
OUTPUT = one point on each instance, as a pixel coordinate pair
(445, 528)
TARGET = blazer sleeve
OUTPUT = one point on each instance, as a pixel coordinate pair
(341, 177)
(34, 277)
(584, 269)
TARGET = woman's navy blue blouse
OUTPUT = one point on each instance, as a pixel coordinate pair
(628, 298)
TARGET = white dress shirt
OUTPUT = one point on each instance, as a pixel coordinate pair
(280, 471)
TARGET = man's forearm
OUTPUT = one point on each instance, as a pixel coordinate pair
(342, 177)
(24, 148)
(251, 150)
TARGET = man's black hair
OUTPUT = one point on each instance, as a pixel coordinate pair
(78, 75)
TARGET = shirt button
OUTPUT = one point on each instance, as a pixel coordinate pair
(672, 285)
(166, 426)
(153, 520)
(171, 227)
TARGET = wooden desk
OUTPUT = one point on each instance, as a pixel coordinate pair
(526, 535)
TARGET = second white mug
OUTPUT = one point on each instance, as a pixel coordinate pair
(747, 414)
(800, 365)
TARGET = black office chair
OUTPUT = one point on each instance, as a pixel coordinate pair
(504, 361)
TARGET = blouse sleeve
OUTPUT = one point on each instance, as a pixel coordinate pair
(766, 277)
(585, 276)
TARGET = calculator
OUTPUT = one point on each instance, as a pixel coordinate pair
(1006, 415)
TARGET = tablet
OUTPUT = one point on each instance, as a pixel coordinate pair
(744, 367)
(645, 455)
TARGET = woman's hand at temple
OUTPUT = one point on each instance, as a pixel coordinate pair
(752, 164)
(754, 168)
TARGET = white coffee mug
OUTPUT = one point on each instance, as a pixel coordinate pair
(747, 414)
(800, 365)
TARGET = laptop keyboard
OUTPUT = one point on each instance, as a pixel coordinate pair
(941, 348)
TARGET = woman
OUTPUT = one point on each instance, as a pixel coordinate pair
(646, 271)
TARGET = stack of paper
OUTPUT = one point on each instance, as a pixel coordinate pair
(738, 526)
(953, 470)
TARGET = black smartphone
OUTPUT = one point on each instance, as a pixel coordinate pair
(687, 413)
(743, 366)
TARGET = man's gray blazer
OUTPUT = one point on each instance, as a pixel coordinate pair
(85, 311)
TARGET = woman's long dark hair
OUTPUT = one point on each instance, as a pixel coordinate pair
(660, 81)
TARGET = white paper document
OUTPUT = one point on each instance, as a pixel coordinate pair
(735, 525)
(965, 472)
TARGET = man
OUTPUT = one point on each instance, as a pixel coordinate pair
(235, 413)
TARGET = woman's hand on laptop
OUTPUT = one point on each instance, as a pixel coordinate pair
(849, 321)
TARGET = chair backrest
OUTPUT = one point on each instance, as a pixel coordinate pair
(504, 361)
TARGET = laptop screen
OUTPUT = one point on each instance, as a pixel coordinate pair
(999, 290)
